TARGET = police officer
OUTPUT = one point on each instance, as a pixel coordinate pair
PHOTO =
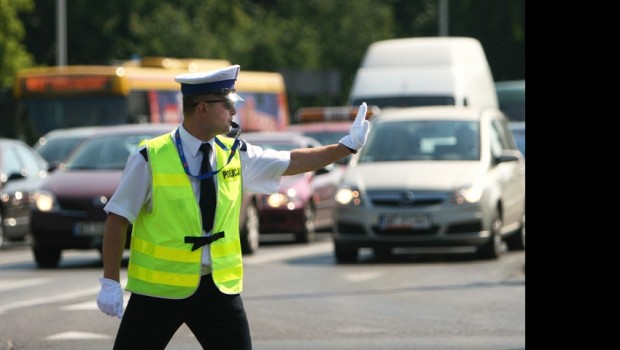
(185, 255)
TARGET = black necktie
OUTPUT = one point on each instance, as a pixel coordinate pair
(207, 190)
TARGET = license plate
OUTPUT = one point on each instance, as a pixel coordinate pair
(398, 221)
(90, 229)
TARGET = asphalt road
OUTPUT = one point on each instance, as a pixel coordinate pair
(296, 297)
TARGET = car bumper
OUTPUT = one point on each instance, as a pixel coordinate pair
(68, 232)
(281, 220)
(449, 227)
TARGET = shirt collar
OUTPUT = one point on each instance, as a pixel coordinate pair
(190, 142)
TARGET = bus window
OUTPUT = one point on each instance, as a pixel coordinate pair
(265, 107)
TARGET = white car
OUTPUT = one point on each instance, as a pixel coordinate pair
(442, 176)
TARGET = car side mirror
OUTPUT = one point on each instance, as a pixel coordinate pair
(509, 155)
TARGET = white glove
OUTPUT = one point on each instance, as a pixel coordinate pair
(359, 130)
(110, 298)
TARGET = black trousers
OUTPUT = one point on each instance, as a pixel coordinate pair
(217, 320)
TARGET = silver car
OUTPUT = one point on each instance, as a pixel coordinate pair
(441, 176)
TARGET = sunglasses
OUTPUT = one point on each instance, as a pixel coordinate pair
(224, 91)
(228, 104)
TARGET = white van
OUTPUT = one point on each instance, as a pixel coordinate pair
(423, 72)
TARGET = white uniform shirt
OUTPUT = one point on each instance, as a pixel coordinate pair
(261, 173)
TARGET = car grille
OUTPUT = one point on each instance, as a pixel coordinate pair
(79, 207)
(465, 227)
(406, 199)
(351, 229)
(405, 232)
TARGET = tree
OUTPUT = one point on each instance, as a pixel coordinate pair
(271, 35)
(499, 25)
(13, 53)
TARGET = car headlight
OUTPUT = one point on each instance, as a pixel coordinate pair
(290, 200)
(277, 200)
(471, 193)
(45, 201)
(349, 196)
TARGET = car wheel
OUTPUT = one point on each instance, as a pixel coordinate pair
(46, 257)
(345, 254)
(516, 241)
(309, 230)
(492, 249)
(249, 234)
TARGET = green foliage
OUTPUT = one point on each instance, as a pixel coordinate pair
(13, 53)
(269, 35)
(499, 25)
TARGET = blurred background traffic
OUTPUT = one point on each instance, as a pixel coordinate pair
(68, 74)
(316, 45)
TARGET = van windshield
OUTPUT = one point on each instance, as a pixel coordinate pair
(405, 101)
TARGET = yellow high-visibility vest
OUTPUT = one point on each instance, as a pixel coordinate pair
(161, 264)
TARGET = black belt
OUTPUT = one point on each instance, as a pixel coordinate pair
(204, 240)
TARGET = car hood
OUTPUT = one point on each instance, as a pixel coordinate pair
(21, 185)
(299, 182)
(439, 176)
(83, 183)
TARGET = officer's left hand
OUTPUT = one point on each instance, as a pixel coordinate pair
(359, 130)
(110, 297)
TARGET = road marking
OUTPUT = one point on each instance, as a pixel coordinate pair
(48, 300)
(275, 255)
(77, 335)
(52, 299)
(363, 276)
(17, 284)
(87, 305)
(283, 254)
(91, 304)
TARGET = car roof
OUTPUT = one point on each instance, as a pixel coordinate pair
(133, 128)
(8, 140)
(431, 112)
(278, 136)
(306, 115)
(65, 133)
(70, 132)
(88, 131)
(321, 126)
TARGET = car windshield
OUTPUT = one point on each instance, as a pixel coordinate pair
(328, 138)
(108, 152)
(422, 140)
(56, 150)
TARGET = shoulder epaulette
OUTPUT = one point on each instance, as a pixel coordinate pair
(144, 154)
(243, 146)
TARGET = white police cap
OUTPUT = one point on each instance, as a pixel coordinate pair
(220, 81)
